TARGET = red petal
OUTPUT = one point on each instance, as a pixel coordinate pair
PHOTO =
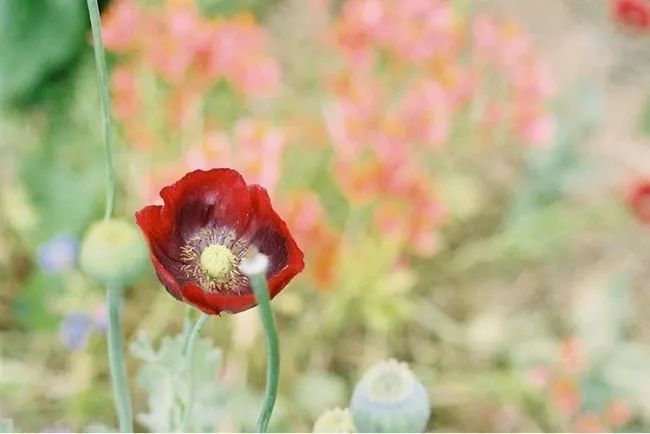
(217, 197)
(270, 234)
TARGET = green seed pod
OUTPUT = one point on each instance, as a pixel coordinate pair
(390, 398)
(113, 252)
(335, 420)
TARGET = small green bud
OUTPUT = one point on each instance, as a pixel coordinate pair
(335, 420)
(390, 398)
(113, 252)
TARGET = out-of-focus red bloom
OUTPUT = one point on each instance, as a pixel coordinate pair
(210, 220)
(639, 201)
(634, 14)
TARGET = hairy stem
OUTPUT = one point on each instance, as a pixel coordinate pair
(188, 350)
(116, 360)
(258, 283)
(102, 77)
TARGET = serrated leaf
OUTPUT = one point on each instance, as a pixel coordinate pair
(166, 378)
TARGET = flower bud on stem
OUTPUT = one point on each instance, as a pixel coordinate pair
(113, 290)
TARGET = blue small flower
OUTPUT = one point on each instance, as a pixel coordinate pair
(75, 330)
(58, 254)
(390, 398)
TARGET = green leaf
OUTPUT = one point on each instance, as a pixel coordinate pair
(36, 38)
(31, 307)
(165, 377)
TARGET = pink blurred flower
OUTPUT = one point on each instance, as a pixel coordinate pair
(121, 25)
(425, 112)
(174, 39)
(537, 130)
(125, 92)
(254, 148)
(236, 50)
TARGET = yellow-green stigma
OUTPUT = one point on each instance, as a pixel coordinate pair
(218, 262)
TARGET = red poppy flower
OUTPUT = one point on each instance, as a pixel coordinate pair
(639, 201)
(633, 13)
(208, 223)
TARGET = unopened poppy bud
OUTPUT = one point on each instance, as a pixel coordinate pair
(113, 252)
(390, 398)
(335, 420)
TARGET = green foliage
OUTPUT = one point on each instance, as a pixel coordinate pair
(64, 176)
(551, 171)
(6, 426)
(165, 378)
(316, 392)
(36, 38)
(31, 308)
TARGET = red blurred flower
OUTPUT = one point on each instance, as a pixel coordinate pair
(639, 201)
(210, 220)
(632, 13)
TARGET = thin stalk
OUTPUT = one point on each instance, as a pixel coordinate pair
(258, 282)
(113, 293)
(116, 360)
(102, 77)
(188, 350)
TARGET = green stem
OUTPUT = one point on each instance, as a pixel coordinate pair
(188, 350)
(102, 77)
(116, 360)
(258, 282)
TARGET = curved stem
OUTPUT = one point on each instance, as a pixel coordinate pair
(258, 282)
(188, 350)
(116, 360)
(102, 77)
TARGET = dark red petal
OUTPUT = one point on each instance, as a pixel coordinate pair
(270, 234)
(157, 230)
(215, 302)
(213, 198)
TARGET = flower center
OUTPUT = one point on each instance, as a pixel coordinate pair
(218, 262)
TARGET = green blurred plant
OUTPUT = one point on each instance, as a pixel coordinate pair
(36, 39)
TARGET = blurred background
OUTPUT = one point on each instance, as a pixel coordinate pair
(469, 180)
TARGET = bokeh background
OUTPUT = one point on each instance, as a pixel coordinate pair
(468, 180)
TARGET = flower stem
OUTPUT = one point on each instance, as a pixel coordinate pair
(258, 282)
(188, 350)
(116, 360)
(102, 77)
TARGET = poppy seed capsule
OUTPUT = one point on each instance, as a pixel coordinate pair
(335, 420)
(113, 252)
(390, 398)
